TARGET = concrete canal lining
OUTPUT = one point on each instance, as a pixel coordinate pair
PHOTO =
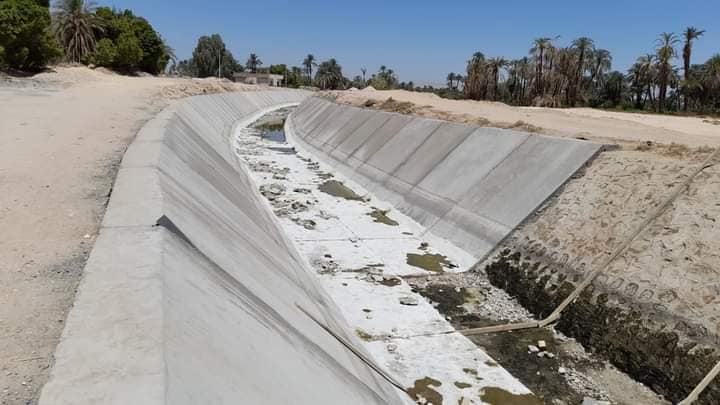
(470, 185)
(190, 293)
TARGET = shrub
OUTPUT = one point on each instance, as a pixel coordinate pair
(129, 52)
(105, 54)
(26, 42)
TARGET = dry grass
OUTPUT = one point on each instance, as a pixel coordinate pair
(523, 126)
(408, 108)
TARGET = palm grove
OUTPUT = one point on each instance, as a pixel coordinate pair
(580, 74)
(34, 33)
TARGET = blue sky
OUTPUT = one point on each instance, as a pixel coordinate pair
(422, 40)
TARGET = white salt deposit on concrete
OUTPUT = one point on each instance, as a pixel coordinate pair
(357, 261)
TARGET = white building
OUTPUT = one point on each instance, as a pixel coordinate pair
(258, 78)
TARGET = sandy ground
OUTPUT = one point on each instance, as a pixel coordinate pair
(587, 123)
(62, 135)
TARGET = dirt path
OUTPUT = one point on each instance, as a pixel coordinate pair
(606, 126)
(62, 136)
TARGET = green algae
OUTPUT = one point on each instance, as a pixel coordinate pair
(423, 388)
(364, 335)
(380, 216)
(338, 189)
(498, 396)
(435, 263)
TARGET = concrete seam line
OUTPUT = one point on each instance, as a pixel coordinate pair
(555, 315)
(366, 140)
(405, 161)
(384, 374)
(442, 159)
(485, 176)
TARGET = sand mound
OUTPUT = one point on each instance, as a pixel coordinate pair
(599, 125)
(73, 75)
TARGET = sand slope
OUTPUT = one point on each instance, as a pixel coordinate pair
(577, 122)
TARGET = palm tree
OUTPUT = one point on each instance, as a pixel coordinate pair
(364, 72)
(308, 63)
(583, 45)
(253, 63)
(690, 34)
(540, 47)
(475, 76)
(495, 64)
(711, 80)
(450, 78)
(601, 63)
(665, 54)
(329, 75)
(75, 26)
(458, 79)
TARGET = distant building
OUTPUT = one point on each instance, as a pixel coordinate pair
(258, 78)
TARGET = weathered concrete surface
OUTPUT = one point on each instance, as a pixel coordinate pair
(471, 185)
(190, 293)
(654, 311)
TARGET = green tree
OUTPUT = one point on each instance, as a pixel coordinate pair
(690, 34)
(26, 40)
(253, 63)
(295, 77)
(309, 63)
(155, 58)
(583, 46)
(210, 56)
(539, 50)
(329, 75)
(450, 80)
(495, 65)
(601, 63)
(156, 53)
(476, 76)
(665, 54)
(129, 52)
(106, 53)
(76, 26)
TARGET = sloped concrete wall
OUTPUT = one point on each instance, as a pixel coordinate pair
(471, 185)
(190, 293)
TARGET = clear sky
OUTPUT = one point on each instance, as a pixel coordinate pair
(423, 40)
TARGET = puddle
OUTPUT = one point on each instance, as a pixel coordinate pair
(498, 396)
(510, 350)
(338, 189)
(272, 128)
(380, 216)
(435, 263)
(462, 385)
(424, 388)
